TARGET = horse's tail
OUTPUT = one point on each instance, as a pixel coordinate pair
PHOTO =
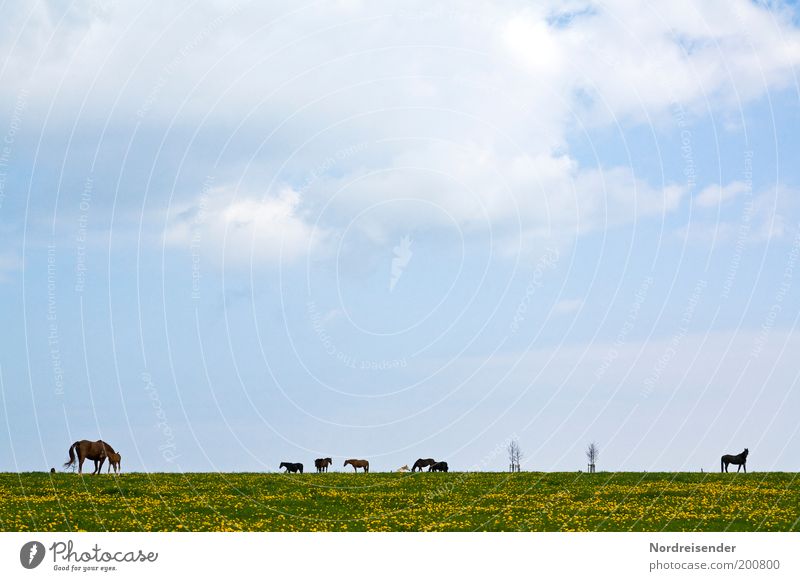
(72, 458)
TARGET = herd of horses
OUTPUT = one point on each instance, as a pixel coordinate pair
(100, 451)
(322, 464)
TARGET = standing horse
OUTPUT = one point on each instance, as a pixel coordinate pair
(439, 467)
(114, 460)
(97, 451)
(356, 464)
(740, 459)
(423, 463)
(322, 464)
(291, 467)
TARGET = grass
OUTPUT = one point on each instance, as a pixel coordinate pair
(479, 501)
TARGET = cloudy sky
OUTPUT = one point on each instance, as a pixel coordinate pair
(235, 234)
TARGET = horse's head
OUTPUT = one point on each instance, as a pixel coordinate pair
(346, 462)
(746, 452)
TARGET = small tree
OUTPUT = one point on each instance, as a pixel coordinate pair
(592, 453)
(514, 455)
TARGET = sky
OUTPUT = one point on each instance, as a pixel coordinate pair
(236, 234)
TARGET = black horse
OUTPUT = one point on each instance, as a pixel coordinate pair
(439, 467)
(740, 459)
(422, 463)
(292, 467)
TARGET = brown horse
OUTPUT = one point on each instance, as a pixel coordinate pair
(114, 460)
(356, 464)
(422, 463)
(97, 451)
(322, 464)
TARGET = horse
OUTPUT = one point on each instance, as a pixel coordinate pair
(740, 459)
(356, 464)
(422, 463)
(114, 460)
(403, 468)
(439, 467)
(97, 451)
(291, 467)
(322, 464)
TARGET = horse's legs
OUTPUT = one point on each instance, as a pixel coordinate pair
(100, 468)
(80, 463)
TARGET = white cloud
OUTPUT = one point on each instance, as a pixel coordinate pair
(716, 195)
(547, 195)
(634, 60)
(485, 94)
(244, 229)
(534, 43)
(758, 217)
(567, 306)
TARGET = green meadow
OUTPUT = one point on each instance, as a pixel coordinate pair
(476, 501)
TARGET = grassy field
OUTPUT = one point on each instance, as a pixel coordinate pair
(527, 501)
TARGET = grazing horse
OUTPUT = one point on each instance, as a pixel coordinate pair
(403, 468)
(439, 467)
(291, 467)
(114, 460)
(740, 459)
(96, 451)
(322, 464)
(422, 463)
(356, 464)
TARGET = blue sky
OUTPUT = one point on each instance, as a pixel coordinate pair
(239, 235)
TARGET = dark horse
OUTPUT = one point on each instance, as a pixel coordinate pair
(322, 464)
(291, 467)
(356, 464)
(97, 451)
(439, 467)
(740, 459)
(422, 463)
